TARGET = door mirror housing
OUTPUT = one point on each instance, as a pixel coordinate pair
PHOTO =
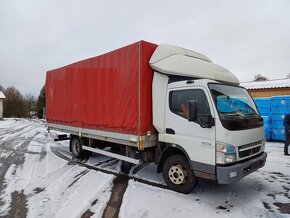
(206, 120)
(192, 110)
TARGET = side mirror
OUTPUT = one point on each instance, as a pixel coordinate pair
(192, 110)
(206, 121)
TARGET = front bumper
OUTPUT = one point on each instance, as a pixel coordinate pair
(230, 174)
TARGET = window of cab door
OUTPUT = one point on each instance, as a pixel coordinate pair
(178, 102)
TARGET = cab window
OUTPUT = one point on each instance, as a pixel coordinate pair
(178, 102)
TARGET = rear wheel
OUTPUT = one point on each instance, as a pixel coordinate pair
(76, 146)
(178, 175)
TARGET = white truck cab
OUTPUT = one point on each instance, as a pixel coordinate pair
(202, 113)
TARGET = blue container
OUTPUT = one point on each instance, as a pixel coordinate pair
(263, 105)
(268, 135)
(280, 100)
(277, 116)
(264, 111)
(277, 123)
(277, 137)
(262, 101)
(275, 108)
(280, 109)
(265, 114)
(266, 119)
(278, 133)
(267, 127)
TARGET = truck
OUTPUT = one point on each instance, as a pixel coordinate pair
(172, 106)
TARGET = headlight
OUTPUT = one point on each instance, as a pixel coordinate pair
(263, 144)
(225, 153)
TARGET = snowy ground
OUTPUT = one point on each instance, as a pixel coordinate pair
(36, 182)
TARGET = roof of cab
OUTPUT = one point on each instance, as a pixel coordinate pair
(172, 60)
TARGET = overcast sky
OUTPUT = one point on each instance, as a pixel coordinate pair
(246, 37)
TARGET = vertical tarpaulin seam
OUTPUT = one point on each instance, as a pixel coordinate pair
(139, 90)
(74, 120)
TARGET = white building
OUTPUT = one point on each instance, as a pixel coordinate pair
(2, 97)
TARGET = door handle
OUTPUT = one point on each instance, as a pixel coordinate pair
(170, 131)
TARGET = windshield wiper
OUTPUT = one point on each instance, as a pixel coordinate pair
(239, 114)
(242, 115)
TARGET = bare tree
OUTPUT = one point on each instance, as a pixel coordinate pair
(31, 105)
(288, 76)
(14, 104)
(260, 77)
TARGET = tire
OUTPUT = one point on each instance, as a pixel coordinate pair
(178, 175)
(76, 146)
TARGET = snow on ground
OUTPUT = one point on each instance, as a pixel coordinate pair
(148, 173)
(108, 163)
(260, 194)
(53, 187)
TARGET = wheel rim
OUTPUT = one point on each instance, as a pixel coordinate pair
(177, 174)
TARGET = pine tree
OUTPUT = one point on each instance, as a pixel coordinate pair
(41, 103)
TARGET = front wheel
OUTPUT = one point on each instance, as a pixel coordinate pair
(178, 175)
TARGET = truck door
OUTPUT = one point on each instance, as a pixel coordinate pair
(198, 142)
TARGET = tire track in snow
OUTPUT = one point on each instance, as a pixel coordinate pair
(59, 152)
(16, 125)
(120, 183)
(18, 128)
(21, 144)
(16, 155)
(11, 134)
(8, 144)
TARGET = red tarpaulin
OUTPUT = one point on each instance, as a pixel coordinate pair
(111, 92)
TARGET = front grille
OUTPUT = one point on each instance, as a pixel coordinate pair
(249, 149)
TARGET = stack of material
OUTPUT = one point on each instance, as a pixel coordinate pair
(280, 105)
(267, 127)
(264, 106)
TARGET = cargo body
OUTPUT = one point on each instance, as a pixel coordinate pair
(164, 104)
(111, 92)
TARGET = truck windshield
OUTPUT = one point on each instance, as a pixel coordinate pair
(236, 108)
